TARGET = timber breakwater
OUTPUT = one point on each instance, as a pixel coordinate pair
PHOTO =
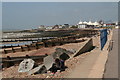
(26, 44)
(76, 43)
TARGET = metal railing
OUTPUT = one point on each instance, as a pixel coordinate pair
(110, 47)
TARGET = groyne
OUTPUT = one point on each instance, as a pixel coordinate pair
(46, 43)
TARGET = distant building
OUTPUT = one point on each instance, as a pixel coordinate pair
(65, 26)
(116, 23)
(104, 25)
(60, 26)
(109, 24)
(55, 27)
(49, 27)
(41, 27)
(88, 24)
(70, 26)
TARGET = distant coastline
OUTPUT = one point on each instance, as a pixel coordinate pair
(7, 30)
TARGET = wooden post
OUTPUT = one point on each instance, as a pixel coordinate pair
(4, 46)
(28, 47)
(61, 43)
(45, 44)
(36, 45)
(5, 51)
(18, 45)
(27, 56)
(8, 57)
(13, 50)
(53, 43)
(46, 54)
(9, 63)
(22, 49)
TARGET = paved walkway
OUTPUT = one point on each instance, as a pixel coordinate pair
(83, 69)
(111, 69)
(93, 65)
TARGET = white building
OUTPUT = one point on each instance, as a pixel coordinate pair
(60, 26)
(104, 25)
(116, 23)
(88, 24)
(41, 27)
(82, 24)
(49, 27)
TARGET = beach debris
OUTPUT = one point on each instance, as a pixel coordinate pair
(26, 65)
(64, 56)
(39, 69)
(43, 69)
(72, 50)
(61, 51)
(48, 61)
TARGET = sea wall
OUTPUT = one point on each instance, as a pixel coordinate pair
(87, 46)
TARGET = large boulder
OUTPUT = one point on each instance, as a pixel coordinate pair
(61, 53)
(26, 65)
(48, 62)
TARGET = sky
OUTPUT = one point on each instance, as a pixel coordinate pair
(29, 15)
(59, 0)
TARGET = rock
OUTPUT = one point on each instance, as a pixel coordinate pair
(48, 62)
(26, 65)
(72, 50)
(36, 69)
(60, 53)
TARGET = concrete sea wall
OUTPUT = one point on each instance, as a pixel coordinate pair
(87, 46)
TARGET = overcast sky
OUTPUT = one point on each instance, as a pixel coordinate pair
(26, 15)
(60, 0)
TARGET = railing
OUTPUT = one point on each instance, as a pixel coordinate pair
(103, 37)
(110, 47)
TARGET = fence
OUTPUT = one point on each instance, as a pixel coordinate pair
(103, 37)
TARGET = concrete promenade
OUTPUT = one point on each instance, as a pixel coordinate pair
(93, 65)
(111, 68)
